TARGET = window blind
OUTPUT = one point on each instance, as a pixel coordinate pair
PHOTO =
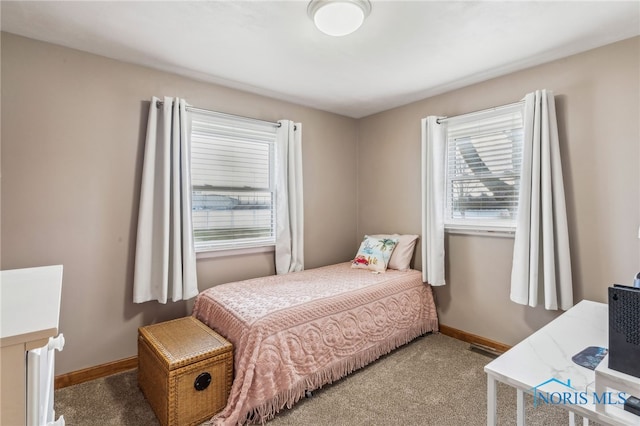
(484, 157)
(233, 197)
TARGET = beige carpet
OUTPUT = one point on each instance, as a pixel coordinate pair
(434, 380)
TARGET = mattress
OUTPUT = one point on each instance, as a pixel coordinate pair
(296, 332)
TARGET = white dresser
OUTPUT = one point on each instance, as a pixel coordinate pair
(29, 315)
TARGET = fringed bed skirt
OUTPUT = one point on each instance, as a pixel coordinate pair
(297, 332)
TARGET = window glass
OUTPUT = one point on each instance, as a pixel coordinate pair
(233, 198)
(483, 162)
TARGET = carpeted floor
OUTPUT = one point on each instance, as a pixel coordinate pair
(434, 380)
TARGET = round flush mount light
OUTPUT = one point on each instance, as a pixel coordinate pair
(338, 17)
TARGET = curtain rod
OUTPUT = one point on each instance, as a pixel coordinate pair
(223, 114)
(443, 119)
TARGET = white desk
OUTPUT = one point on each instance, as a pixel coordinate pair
(29, 312)
(546, 354)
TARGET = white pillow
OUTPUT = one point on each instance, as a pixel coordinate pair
(403, 252)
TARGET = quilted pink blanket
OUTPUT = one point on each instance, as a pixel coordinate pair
(299, 331)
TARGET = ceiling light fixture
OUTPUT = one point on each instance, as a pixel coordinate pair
(338, 17)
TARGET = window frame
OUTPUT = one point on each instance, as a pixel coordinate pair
(475, 226)
(231, 246)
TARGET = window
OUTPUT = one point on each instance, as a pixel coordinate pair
(233, 185)
(483, 162)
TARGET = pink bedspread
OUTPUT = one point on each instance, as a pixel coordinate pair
(299, 331)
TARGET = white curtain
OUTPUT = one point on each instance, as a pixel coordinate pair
(433, 175)
(165, 264)
(289, 209)
(541, 258)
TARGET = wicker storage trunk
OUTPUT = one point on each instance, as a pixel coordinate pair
(185, 370)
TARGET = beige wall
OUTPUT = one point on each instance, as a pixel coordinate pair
(72, 143)
(598, 105)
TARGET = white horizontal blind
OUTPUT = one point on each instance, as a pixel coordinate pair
(233, 197)
(484, 157)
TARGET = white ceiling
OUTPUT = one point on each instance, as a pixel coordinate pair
(405, 51)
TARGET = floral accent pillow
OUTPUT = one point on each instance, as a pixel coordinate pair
(374, 253)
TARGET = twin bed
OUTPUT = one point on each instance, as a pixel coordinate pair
(294, 333)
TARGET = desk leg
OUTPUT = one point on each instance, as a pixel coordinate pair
(572, 419)
(491, 400)
(520, 407)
